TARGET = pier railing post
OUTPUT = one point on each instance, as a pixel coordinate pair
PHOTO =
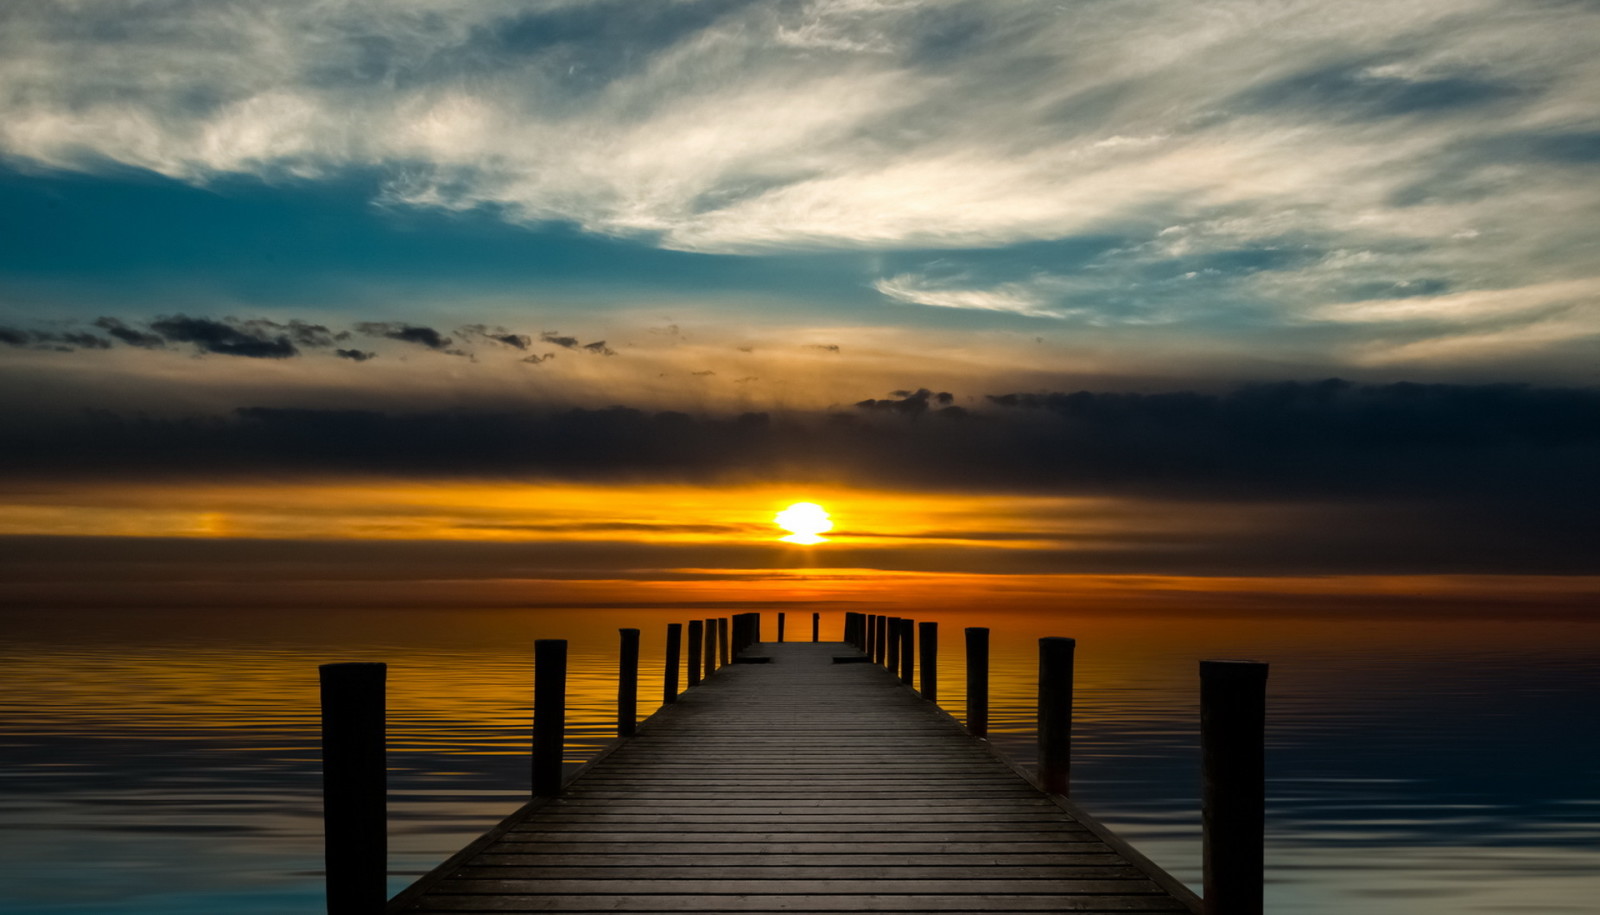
(628, 683)
(928, 636)
(866, 633)
(780, 626)
(1055, 714)
(1233, 784)
(709, 655)
(354, 790)
(696, 643)
(908, 650)
(880, 648)
(549, 714)
(816, 627)
(669, 675)
(723, 654)
(891, 653)
(978, 681)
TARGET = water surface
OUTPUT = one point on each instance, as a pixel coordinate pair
(166, 762)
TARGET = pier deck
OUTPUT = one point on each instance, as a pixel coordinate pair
(800, 785)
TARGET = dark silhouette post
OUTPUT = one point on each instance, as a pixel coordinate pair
(669, 676)
(928, 635)
(891, 653)
(710, 653)
(696, 642)
(549, 714)
(978, 681)
(880, 650)
(908, 651)
(780, 626)
(628, 683)
(816, 627)
(1233, 716)
(354, 788)
(722, 641)
(1055, 714)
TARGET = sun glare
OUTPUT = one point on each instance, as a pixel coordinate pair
(804, 521)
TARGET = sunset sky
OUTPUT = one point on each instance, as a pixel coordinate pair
(546, 302)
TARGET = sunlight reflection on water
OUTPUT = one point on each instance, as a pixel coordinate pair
(1414, 766)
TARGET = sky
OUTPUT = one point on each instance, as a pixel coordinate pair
(560, 302)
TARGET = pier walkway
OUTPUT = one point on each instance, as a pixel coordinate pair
(798, 785)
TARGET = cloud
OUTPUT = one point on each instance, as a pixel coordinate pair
(555, 337)
(599, 348)
(355, 355)
(227, 338)
(406, 333)
(128, 335)
(56, 340)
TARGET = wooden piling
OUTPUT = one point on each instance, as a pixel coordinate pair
(870, 622)
(669, 673)
(908, 651)
(880, 648)
(549, 714)
(709, 655)
(891, 651)
(816, 627)
(780, 626)
(978, 681)
(628, 683)
(1055, 714)
(354, 789)
(928, 648)
(1233, 784)
(696, 644)
(722, 641)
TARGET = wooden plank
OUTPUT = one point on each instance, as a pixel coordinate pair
(809, 903)
(798, 786)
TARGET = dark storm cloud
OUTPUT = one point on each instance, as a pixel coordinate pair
(406, 333)
(355, 355)
(128, 335)
(225, 338)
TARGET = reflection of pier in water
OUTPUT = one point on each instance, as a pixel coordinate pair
(800, 777)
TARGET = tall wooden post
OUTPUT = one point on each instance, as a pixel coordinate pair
(891, 654)
(354, 788)
(780, 625)
(696, 643)
(978, 681)
(710, 653)
(908, 650)
(755, 627)
(628, 683)
(669, 675)
(880, 647)
(928, 636)
(549, 714)
(1055, 714)
(816, 626)
(1233, 715)
(722, 641)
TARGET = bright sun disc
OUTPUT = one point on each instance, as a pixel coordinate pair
(804, 521)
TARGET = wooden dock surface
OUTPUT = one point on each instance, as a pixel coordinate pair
(800, 785)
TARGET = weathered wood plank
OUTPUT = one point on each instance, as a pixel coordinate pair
(808, 903)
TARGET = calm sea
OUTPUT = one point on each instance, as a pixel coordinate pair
(166, 762)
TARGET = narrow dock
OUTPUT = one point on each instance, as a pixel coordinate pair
(798, 785)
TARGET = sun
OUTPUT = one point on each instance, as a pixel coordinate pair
(804, 521)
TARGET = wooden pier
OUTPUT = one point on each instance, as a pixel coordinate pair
(798, 779)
